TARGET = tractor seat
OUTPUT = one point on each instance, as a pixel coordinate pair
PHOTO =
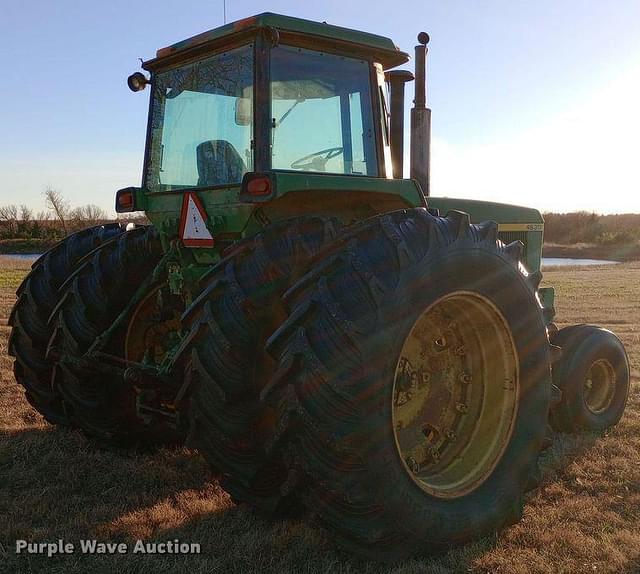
(218, 163)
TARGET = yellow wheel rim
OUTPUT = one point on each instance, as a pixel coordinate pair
(455, 395)
(599, 386)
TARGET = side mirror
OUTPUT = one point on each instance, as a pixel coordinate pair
(137, 82)
(244, 111)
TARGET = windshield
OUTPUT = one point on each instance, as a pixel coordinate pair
(322, 118)
(201, 123)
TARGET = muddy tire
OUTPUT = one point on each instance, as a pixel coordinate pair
(102, 404)
(37, 297)
(413, 385)
(229, 323)
(593, 375)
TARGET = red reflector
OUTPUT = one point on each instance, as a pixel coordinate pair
(259, 186)
(125, 200)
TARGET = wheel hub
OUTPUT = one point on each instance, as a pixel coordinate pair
(154, 327)
(455, 394)
(599, 386)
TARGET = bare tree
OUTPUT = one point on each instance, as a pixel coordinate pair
(93, 213)
(26, 214)
(25, 224)
(57, 204)
(9, 214)
(97, 214)
(87, 215)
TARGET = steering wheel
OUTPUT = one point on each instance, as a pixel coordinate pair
(317, 160)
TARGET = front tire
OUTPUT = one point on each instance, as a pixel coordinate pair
(346, 391)
(593, 375)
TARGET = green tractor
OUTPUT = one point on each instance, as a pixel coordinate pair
(328, 335)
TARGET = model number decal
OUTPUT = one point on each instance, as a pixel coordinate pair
(521, 227)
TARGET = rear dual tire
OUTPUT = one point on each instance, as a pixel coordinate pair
(229, 322)
(338, 380)
(38, 295)
(103, 404)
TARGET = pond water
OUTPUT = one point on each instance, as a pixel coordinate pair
(25, 256)
(546, 261)
(549, 261)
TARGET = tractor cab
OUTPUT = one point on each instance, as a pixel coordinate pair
(268, 93)
(272, 117)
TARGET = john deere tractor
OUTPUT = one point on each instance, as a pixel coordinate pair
(328, 334)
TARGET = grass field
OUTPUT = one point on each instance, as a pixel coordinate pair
(54, 484)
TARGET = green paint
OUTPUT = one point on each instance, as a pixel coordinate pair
(388, 53)
(175, 278)
(484, 210)
(301, 181)
(500, 213)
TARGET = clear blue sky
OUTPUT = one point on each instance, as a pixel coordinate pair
(533, 102)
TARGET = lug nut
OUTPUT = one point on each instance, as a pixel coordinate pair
(460, 350)
(434, 453)
(462, 408)
(451, 435)
(440, 344)
(430, 432)
(412, 464)
(465, 378)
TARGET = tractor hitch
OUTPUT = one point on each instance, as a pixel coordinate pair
(156, 398)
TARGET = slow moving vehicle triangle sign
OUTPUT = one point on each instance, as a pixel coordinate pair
(193, 229)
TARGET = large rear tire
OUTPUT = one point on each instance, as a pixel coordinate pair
(103, 405)
(413, 385)
(37, 297)
(230, 321)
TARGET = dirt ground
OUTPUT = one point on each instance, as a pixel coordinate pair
(54, 484)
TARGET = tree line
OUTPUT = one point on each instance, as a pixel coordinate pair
(591, 228)
(53, 223)
(19, 222)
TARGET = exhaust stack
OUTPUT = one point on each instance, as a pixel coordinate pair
(421, 120)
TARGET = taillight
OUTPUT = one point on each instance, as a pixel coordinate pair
(126, 200)
(257, 187)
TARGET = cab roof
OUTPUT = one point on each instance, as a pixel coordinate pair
(382, 49)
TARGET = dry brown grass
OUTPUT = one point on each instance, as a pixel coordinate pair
(54, 484)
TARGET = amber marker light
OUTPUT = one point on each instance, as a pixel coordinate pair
(259, 186)
(125, 200)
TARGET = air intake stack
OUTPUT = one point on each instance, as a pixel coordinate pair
(421, 120)
(397, 79)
